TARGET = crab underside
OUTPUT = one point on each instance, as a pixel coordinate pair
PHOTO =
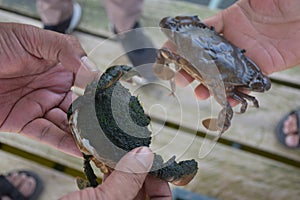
(109, 122)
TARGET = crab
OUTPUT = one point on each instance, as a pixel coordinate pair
(210, 58)
(107, 122)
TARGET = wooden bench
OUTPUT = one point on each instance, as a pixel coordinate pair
(246, 163)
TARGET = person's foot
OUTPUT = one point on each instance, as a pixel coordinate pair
(20, 185)
(287, 130)
(290, 129)
(69, 24)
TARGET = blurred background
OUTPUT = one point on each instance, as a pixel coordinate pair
(247, 162)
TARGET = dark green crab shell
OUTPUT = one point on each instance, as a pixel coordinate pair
(114, 123)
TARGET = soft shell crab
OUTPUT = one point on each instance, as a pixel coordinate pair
(211, 59)
(107, 122)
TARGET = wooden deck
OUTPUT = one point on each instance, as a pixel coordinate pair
(246, 163)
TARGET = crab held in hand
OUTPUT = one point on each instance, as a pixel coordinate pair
(211, 59)
(107, 122)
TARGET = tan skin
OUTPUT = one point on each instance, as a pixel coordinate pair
(34, 98)
(270, 32)
(34, 91)
(124, 183)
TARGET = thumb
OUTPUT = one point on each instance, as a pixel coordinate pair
(124, 182)
(216, 21)
(127, 179)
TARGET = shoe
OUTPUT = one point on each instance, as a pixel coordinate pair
(69, 24)
(282, 136)
(8, 189)
(140, 50)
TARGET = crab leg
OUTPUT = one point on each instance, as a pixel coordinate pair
(244, 103)
(162, 67)
(224, 118)
(239, 96)
(226, 114)
(88, 170)
(166, 56)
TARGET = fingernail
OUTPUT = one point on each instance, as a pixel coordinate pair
(89, 64)
(145, 156)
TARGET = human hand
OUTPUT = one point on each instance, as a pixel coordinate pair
(128, 181)
(34, 88)
(269, 30)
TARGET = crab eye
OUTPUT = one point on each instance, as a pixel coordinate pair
(267, 83)
(256, 86)
(260, 84)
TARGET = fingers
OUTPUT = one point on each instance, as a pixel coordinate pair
(154, 187)
(45, 131)
(58, 117)
(157, 189)
(216, 21)
(86, 73)
(58, 48)
(129, 175)
(69, 52)
(125, 182)
(202, 92)
(170, 45)
(183, 78)
(52, 46)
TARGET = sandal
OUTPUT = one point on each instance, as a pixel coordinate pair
(8, 189)
(281, 136)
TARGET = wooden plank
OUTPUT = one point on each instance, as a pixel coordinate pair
(291, 76)
(227, 173)
(28, 145)
(56, 184)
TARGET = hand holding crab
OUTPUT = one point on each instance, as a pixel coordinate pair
(267, 37)
(35, 95)
(124, 183)
(214, 61)
(34, 88)
(268, 30)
